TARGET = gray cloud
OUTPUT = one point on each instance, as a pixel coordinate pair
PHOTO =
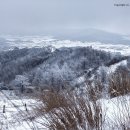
(49, 16)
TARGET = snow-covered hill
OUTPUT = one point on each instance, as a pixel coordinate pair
(50, 67)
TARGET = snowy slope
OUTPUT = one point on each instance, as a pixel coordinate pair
(16, 114)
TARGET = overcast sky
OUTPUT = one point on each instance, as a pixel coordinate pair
(43, 16)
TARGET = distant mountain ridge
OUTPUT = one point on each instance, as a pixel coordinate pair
(94, 35)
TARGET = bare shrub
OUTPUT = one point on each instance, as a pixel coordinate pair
(52, 99)
(69, 111)
(119, 83)
(94, 90)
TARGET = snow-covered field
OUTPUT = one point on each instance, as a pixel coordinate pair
(9, 42)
